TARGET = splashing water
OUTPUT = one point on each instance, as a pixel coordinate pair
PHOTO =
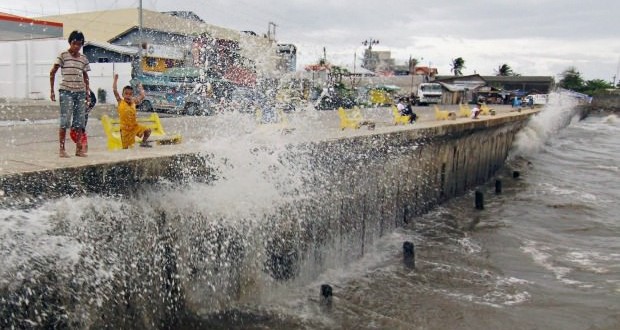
(560, 112)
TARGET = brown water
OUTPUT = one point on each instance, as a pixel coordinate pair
(543, 254)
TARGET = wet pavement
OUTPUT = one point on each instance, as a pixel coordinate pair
(29, 133)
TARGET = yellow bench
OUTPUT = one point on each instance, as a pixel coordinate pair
(353, 119)
(398, 118)
(485, 110)
(379, 97)
(443, 114)
(112, 129)
(279, 122)
(464, 110)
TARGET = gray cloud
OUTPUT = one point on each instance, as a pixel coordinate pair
(536, 36)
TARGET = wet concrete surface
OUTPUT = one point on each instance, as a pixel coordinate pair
(29, 133)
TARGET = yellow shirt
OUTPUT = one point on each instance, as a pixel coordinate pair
(129, 124)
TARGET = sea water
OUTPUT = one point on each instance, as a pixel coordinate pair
(543, 253)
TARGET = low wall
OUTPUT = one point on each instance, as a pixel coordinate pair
(609, 102)
(168, 263)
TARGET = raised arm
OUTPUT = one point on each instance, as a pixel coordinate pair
(115, 88)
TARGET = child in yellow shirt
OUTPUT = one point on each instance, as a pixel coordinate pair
(127, 116)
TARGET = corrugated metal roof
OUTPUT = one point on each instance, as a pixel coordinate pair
(114, 48)
(451, 87)
(13, 27)
(106, 25)
(518, 78)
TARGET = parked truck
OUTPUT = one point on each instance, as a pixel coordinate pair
(183, 91)
(428, 93)
(176, 82)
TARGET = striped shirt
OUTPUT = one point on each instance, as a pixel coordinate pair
(72, 69)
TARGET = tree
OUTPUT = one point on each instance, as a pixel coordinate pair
(571, 79)
(458, 64)
(413, 62)
(504, 70)
(595, 86)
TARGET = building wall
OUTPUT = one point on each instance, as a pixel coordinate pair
(25, 69)
(99, 55)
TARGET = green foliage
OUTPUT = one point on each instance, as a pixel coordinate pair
(505, 70)
(595, 86)
(412, 63)
(458, 64)
(571, 79)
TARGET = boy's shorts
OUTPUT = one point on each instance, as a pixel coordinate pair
(128, 138)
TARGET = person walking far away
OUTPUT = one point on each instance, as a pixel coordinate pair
(72, 91)
(127, 116)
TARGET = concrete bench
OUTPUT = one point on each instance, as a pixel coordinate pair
(464, 110)
(398, 118)
(444, 114)
(485, 110)
(275, 120)
(112, 129)
(353, 119)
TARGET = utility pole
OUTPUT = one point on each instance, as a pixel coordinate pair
(140, 23)
(369, 42)
(368, 58)
(617, 73)
(141, 45)
(271, 36)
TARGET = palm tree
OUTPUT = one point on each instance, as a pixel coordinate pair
(458, 64)
(571, 79)
(413, 62)
(504, 70)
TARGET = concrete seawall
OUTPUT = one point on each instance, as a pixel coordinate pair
(606, 102)
(372, 184)
(121, 176)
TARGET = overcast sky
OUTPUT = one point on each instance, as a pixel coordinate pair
(534, 37)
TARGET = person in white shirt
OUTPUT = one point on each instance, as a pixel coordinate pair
(475, 112)
(405, 110)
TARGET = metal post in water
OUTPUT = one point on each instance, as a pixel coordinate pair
(326, 294)
(409, 254)
(498, 186)
(515, 174)
(479, 200)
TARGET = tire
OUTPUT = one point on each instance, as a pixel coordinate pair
(191, 109)
(146, 106)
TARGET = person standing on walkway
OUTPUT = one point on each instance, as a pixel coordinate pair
(72, 91)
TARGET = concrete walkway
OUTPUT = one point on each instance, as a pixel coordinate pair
(30, 144)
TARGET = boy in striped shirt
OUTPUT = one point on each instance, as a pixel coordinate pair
(73, 96)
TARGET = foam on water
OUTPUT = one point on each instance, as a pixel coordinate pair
(558, 113)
